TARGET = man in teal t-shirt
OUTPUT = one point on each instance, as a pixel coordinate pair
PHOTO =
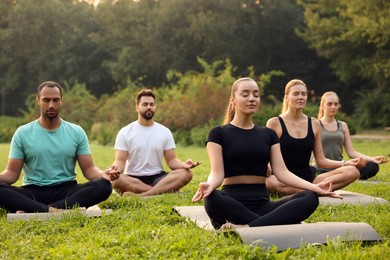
(47, 150)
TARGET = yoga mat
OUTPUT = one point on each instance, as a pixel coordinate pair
(352, 198)
(93, 211)
(287, 236)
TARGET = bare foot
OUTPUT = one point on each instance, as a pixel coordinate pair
(129, 193)
(20, 211)
(230, 226)
(51, 209)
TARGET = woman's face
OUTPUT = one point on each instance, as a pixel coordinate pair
(246, 99)
(296, 97)
(331, 105)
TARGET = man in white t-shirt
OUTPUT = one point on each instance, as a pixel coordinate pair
(140, 147)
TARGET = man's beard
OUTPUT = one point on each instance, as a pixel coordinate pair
(51, 116)
(147, 115)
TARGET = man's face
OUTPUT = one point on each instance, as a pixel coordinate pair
(50, 102)
(146, 107)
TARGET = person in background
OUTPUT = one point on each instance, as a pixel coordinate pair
(300, 137)
(335, 136)
(239, 153)
(140, 147)
(47, 150)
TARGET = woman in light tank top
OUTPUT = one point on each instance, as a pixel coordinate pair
(336, 136)
(300, 136)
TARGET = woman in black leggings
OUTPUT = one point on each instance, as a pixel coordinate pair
(239, 154)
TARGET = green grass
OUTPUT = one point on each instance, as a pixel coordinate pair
(149, 229)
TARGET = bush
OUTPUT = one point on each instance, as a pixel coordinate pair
(104, 133)
(182, 137)
(8, 126)
(373, 109)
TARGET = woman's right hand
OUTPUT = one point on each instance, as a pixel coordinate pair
(324, 188)
(359, 162)
(203, 191)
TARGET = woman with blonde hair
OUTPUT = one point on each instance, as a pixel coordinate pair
(239, 152)
(300, 137)
(335, 136)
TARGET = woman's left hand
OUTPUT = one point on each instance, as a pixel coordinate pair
(380, 159)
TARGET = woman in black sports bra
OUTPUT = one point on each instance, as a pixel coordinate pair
(239, 154)
(300, 137)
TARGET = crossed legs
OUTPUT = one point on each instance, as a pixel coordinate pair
(34, 198)
(340, 177)
(172, 182)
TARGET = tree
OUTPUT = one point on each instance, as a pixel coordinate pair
(145, 39)
(355, 37)
(47, 40)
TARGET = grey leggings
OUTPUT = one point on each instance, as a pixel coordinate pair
(250, 204)
(33, 198)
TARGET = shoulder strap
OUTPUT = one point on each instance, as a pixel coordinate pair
(310, 127)
(284, 129)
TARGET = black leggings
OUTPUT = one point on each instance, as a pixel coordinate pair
(368, 171)
(250, 204)
(33, 198)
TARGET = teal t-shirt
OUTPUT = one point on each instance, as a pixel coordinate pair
(49, 156)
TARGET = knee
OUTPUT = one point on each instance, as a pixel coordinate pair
(120, 185)
(312, 198)
(211, 201)
(368, 171)
(186, 176)
(352, 172)
(105, 186)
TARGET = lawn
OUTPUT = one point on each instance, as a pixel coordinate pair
(140, 228)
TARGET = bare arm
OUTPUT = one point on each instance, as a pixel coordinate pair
(217, 172)
(12, 172)
(120, 160)
(284, 175)
(352, 153)
(90, 171)
(274, 124)
(175, 163)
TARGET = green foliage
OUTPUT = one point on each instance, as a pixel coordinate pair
(114, 112)
(8, 126)
(355, 37)
(46, 40)
(353, 34)
(105, 45)
(194, 98)
(79, 106)
(373, 109)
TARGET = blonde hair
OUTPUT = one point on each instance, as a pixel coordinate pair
(229, 114)
(290, 84)
(323, 100)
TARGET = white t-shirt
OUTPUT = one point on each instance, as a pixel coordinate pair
(145, 146)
